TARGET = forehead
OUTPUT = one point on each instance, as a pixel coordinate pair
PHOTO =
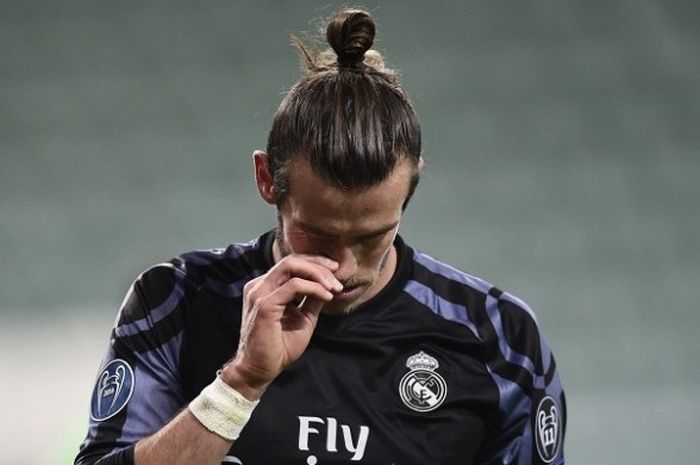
(313, 200)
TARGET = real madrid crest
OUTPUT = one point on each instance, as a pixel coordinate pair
(422, 389)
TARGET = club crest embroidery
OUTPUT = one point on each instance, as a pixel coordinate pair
(114, 387)
(548, 426)
(422, 389)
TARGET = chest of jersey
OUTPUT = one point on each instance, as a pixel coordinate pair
(406, 398)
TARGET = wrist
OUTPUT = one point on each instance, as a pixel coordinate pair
(242, 381)
(222, 410)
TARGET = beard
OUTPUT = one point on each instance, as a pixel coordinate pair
(333, 307)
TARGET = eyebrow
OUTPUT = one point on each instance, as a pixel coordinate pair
(382, 230)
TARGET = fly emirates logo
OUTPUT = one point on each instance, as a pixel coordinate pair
(316, 433)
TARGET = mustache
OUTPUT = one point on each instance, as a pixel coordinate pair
(355, 281)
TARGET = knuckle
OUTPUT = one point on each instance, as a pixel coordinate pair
(253, 284)
(258, 301)
(289, 260)
(249, 286)
(296, 281)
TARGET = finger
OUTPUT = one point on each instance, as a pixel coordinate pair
(319, 260)
(296, 290)
(311, 308)
(251, 289)
(306, 313)
(309, 267)
(253, 284)
(299, 302)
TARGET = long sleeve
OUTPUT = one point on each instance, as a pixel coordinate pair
(528, 428)
(138, 388)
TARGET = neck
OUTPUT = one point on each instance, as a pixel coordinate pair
(276, 252)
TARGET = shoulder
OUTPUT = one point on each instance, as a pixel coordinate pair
(515, 352)
(243, 254)
(223, 264)
(439, 274)
(472, 301)
(513, 342)
(164, 286)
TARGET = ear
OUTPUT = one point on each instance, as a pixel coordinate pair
(263, 177)
(421, 164)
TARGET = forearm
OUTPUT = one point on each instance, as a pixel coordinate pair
(183, 441)
(187, 439)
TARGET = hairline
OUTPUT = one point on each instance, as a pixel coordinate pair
(402, 155)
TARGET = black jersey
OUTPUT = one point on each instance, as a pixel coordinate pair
(439, 367)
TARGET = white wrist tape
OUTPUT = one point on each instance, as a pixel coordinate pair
(222, 409)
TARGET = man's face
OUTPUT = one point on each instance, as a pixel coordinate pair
(354, 228)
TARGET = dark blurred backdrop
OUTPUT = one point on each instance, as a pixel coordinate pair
(562, 150)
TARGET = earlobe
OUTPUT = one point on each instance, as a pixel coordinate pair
(263, 177)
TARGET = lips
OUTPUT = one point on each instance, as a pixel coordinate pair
(349, 293)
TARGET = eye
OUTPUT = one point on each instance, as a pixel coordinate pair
(371, 240)
(320, 236)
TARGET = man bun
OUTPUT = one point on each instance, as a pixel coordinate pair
(350, 33)
(347, 115)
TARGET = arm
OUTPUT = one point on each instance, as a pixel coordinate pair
(183, 440)
(274, 332)
(528, 428)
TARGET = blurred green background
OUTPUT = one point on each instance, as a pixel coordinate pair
(562, 150)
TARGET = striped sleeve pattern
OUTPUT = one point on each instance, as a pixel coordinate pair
(139, 387)
(528, 427)
(145, 341)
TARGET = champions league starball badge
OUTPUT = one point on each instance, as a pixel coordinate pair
(422, 389)
(548, 426)
(113, 389)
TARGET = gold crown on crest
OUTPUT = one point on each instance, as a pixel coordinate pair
(422, 361)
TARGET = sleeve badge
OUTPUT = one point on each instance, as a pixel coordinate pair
(113, 389)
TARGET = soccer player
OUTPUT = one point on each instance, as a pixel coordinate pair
(328, 340)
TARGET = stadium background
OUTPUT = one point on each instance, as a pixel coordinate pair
(562, 149)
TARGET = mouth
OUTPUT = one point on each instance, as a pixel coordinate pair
(349, 293)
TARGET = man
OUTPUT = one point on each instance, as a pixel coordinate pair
(328, 340)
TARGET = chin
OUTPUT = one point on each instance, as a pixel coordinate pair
(336, 309)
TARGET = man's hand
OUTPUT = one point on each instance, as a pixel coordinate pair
(280, 311)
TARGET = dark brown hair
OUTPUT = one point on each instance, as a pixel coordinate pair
(348, 113)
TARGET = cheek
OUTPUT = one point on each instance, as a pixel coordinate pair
(294, 244)
(299, 243)
(374, 255)
(302, 243)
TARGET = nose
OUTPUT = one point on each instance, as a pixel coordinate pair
(348, 262)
